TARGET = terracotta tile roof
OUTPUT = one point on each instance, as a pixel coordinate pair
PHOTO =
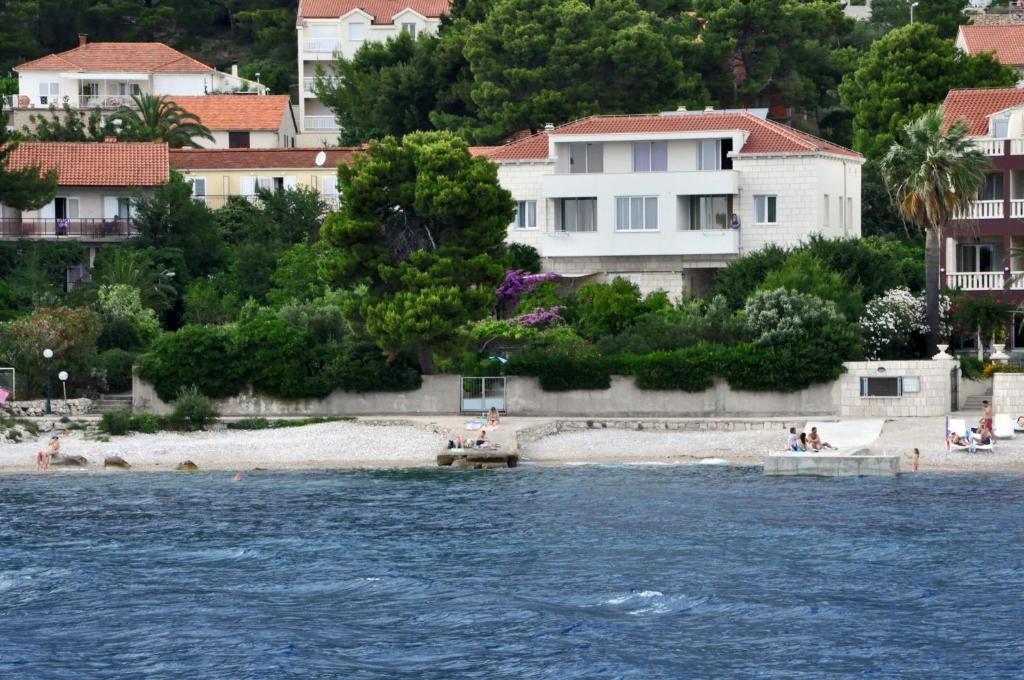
(382, 11)
(119, 57)
(1007, 41)
(237, 111)
(244, 159)
(765, 136)
(974, 106)
(482, 150)
(98, 164)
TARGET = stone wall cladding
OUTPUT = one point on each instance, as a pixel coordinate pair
(523, 181)
(1008, 394)
(934, 399)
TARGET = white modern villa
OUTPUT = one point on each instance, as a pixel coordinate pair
(326, 28)
(666, 199)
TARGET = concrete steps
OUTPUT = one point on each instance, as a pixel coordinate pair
(112, 402)
(973, 403)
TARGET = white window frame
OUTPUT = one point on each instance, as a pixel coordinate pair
(72, 207)
(849, 212)
(649, 148)
(49, 89)
(591, 161)
(526, 215)
(198, 188)
(410, 28)
(1000, 128)
(648, 209)
(865, 387)
(717, 163)
(562, 224)
(361, 30)
(771, 204)
(825, 218)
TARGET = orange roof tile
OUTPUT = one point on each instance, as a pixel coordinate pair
(1006, 41)
(103, 164)
(244, 159)
(121, 57)
(382, 11)
(765, 136)
(976, 105)
(236, 111)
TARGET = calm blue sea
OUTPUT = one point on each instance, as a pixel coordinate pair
(537, 572)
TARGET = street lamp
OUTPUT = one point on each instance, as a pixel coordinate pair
(912, 6)
(48, 354)
(63, 377)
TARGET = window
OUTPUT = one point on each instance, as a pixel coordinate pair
(409, 28)
(49, 92)
(65, 208)
(128, 89)
(710, 155)
(992, 189)
(199, 189)
(978, 257)
(840, 211)
(709, 212)
(636, 213)
(526, 215)
(238, 139)
(881, 387)
(849, 212)
(124, 207)
(650, 156)
(357, 31)
(586, 158)
(330, 185)
(577, 214)
(825, 209)
(765, 209)
(1000, 128)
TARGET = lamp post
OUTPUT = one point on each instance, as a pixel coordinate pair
(48, 354)
(912, 6)
(63, 377)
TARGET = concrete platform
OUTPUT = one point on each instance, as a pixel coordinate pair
(861, 463)
(479, 460)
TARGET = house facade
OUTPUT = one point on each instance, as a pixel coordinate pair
(98, 184)
(106, 74)
(983, 251)
(326, 28)
(243, 121)
(666, 199)
(217, 174)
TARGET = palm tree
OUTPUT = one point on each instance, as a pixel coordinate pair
(933, 175)
(158, 119)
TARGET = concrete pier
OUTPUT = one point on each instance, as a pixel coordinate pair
(479, 460)
(860, 463)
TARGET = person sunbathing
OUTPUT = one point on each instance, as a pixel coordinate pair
(956, 440)
(814, 439)
(493, 417)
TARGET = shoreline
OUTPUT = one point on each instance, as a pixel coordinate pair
(413, 443)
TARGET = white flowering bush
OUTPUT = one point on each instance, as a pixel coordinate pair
(782, 317)
(891, 321)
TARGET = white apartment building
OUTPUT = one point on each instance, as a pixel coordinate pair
(665, 199)
(326, 28)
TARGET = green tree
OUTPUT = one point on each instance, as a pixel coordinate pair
(27, 188)
(423, 224)
(933, 174)
(945, 15)
(156, 118)
(601, 309)
(804, 273)
(68, 124)
(906, 72)
(70, 333)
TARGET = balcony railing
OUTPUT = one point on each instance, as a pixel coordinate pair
(216, 201)
(990, 147)
(1017, 208)
(1017, 147)
(322, 45)
(982, 210)
(86, 229)
(309, 85)
(85, 101)
(319, 123)
(1013, 280)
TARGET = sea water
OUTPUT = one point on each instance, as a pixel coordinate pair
(581, 572)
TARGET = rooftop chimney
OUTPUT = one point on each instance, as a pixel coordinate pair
(82, 39)
(109, 139)
(709, 109)
(234, 69)
(548, 127)
(681, 109)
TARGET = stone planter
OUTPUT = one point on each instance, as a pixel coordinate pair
(942, 355)
(998, 355)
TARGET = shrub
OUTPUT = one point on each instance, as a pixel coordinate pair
(362, 369)
(670, 329)
(249, 424)
(803, 273)
(891, 322)
(116, 364)
(600, 309)
(691, 369)
(283, 360)
(207, 357)
(116, 422)
(972, 368)
(70, 333)
(145, 422)
(192, 409)
(118, 333)
(562, 361)
(524, 257)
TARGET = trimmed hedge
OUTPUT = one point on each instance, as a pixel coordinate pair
(117, 365)
(558, 372)
(691, 369)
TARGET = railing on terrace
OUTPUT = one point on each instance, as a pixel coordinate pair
(309, 84)
(1017, 147)
(990, 147)
(73, 228)
(215, 201)
(328, 45)
(87, 101)
(1014, 280)
(319, 123)
(982, 210)
(1017, 208)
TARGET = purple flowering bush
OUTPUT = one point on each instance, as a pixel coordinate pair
(518, 283)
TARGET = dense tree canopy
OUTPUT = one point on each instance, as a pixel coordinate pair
(945, 15)
(24, 188)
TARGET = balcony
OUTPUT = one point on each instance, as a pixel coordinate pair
(322, 45)
(85, 101)
(710, 182)
(81, 229)
(983, 210)
(987, 281)
(990, 147)
(1017, 208)
(608, 243)
(319, 123)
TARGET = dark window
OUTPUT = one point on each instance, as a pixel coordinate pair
(881, 387)
(993, 187)
(238, 140)
(726, 148)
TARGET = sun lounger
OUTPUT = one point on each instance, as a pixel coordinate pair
(1002, 427)
(1017, 427)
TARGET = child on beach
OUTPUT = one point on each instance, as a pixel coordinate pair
(914, 461)
(791, 441)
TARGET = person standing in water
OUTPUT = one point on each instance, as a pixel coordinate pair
(915, 460)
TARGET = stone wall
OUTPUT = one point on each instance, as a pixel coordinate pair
(439, 394)
(932, 399)
(37, 407)
(1008, 394)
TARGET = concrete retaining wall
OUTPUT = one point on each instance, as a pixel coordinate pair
(932, 399)
(438, 395)
(831, 466)
(1008, 394)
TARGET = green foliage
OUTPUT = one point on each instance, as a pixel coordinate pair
(905, 73)
(160, 275)
(70, 333)
(192, 409)
(68, 124)
(694, 321)
(782, 318)
(299, 274)
(691, 369)
(601, 309)
(804, 273)
(33, 272)
(945, 15)
(123, 302)
(157, 118)
(744, 275)
(264, 424)
(207, 357)
(116, 365)
(282, 359)
(523, 257)
(206, 304)
(562, 360)
(362, 368)
(116, 422)
(26, 188)
(972, 368)
(984, 315)
(423, 225)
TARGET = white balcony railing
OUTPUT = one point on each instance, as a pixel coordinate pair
(322, 45)
(85, 101)
(983, 210)
(1017, 147)
(1017, 208)
(319, 123)
(309, 86)
(990, 147)
(975, 280)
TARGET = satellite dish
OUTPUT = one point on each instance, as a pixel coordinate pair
(320, 159)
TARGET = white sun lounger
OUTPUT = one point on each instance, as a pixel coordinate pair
(959, 426)
(1002, 426)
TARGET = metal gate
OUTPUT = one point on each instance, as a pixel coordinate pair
(954, 389)
(481, 394)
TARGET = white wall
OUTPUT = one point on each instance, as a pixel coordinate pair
(258, 139)
(523, 180)
(182, 83)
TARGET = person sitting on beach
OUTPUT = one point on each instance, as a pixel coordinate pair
(493, 417)
(482, 442)
(980, 436)
(43, 458)
(957, 440)
(1020, 422)
(792, 440)
(814, 439)
(456, 443)
(804, 445)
